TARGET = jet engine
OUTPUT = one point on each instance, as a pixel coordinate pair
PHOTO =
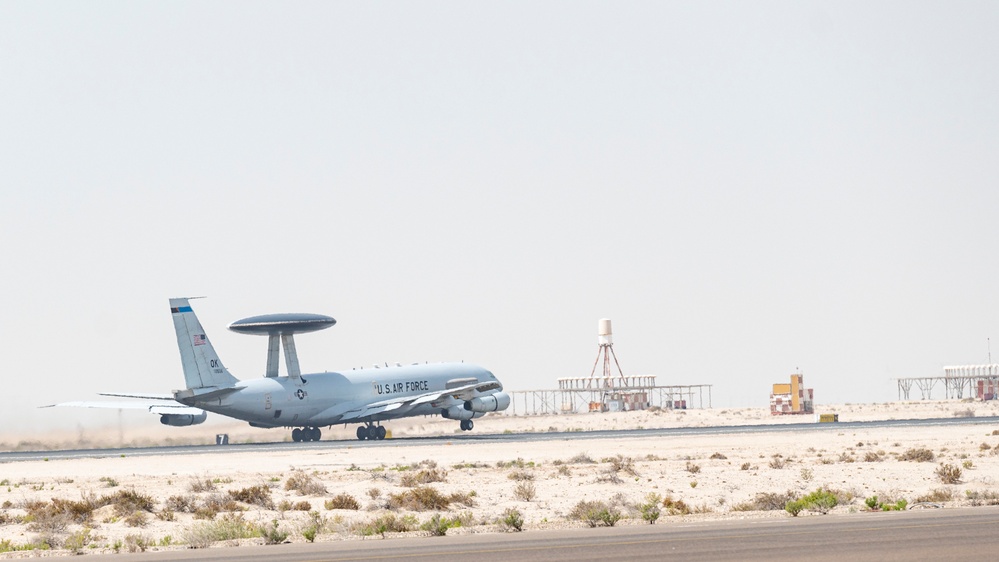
(456, 413)
(181, 420)
(491, 403)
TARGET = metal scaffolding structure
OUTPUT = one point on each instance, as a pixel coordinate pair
(572, 399)
(972, 381)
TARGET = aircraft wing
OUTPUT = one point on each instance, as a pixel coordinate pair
(162, 408)
(465, 392)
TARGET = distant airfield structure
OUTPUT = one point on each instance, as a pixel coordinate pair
(608, 391)
(978, 381)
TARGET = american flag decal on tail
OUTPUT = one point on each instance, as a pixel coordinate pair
(199, 339)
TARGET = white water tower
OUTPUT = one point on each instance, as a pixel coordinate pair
(605, 341)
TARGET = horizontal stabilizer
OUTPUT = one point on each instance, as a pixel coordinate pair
(136, 395)
(168, 408)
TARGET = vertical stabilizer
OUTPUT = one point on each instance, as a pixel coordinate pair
(202, 366)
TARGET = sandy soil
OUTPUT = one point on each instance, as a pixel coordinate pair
(716, 476)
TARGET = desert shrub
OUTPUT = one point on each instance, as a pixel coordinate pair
(675, 506)
(718, 456)
(126, 502)
(524, 491)
(342, 501)
(966, 413)
(623, 464)
(988, 497)
(917, 455)
(387, 523)
(873, 504)
(374, 493)
(771, 501)
(183, 504)
(511, 519)
(226, 528)
(309, 533)
(520, 475)
(137, 543)
(807, 474)
(745, 466)
(583, 458)
(214, 503)
(777, 462)
(650, 509)
(108, 481)
(438, 525)
(693, 468)
(254, 495)
(937, 495)
(984, 447)
(198, 485)
(820, 500)
(272, 534)
(794, 507)
(595, 513)
(518, 463)
(871, 456)
(949, 474)
(137, 519)
(76, 542)
(564, 471)
(420, 498)
(304, 484)
(427, 476)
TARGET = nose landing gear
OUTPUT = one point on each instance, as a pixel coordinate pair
(306, 434)
(371, 432)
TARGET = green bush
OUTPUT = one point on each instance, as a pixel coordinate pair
(512, 519)
(438, 525)
(650, 509)
(820, 500)
(273, 535)
(794, 507)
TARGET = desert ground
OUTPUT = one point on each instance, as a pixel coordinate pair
(122, 503)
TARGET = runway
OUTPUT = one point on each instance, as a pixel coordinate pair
(958, 534)
(485, 438)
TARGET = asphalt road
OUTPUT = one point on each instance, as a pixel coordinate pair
(957, 534)
(14, 456)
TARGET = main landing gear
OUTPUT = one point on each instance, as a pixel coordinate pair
(371, 432)
(467, 425)
(306, 434)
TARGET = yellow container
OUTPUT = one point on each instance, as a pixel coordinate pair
(782, 389)
(828, 418)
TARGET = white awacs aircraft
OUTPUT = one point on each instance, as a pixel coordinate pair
(307, 402)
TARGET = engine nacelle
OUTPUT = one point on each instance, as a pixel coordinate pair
(456, 413)
(491, 403)
(181, 420)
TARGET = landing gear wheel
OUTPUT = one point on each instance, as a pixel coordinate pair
(316, 434)
(466, 425)
(362, 432)
(372, 432)
(381, 432)
(296, 434)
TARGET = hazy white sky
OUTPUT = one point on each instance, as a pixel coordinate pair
(745, 188)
